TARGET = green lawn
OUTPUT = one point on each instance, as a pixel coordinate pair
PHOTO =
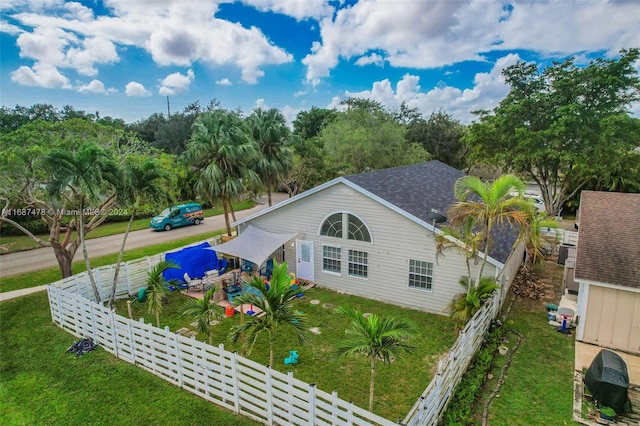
(398, 384)
(40, 384)
(22, 242)
(538, 389)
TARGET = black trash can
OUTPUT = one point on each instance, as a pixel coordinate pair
(563, 252)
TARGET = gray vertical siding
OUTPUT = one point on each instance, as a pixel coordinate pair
(396, 240)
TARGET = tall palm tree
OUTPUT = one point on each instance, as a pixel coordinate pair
(141, 181)
(465, 237)
(157, 287)
(81, 177)
(220, 149)
(270, 131)
(491, 204)
(276, 304)
(375, 337)
(203, 311)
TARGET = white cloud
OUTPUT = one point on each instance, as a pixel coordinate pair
(298, 9)
(96, 86)
(76, 11)
(133, 88)
(40, 75)
(260, 103)
(10, 29)
(176, 83)
(374, 59)
(290, 114)
(173, 32)
(91, 51)
(434, 34)
(489, 89)
(224, 82)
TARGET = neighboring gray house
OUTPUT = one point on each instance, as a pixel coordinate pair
(608, 270)
(369, 235)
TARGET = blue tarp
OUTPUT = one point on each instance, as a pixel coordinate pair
(193, 260)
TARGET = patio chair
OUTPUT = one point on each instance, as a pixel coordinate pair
(247, 266)
(267, 270)
(191, 282)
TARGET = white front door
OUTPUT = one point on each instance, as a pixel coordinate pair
(304, 260)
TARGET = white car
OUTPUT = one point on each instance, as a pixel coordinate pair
(536, 199)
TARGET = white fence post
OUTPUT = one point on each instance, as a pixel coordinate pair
(312, 403)
(290, 394)
(236, 380)
(268, 394)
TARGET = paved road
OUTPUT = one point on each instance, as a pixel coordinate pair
(42, 258)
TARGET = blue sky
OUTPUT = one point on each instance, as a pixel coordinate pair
(124, 57)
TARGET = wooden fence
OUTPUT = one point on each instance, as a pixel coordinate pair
(229, 380)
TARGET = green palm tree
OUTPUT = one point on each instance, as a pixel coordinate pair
(220, 149)
(81, 177)
(157, 287)
(375, 337)
(140, 181)
(464, 305)
(465, 237)
(276, 304)
(203, 311)
(270, 131)
(533, 239)
(490, 203)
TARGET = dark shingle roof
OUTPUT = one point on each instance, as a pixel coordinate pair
(609, 238)
(418, 188)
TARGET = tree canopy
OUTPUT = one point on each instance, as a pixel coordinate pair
(563, 125)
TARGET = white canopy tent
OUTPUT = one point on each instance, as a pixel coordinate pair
(254, 244)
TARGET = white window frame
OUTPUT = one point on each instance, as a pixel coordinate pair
(364, 224)
(350, 262)
(428, 275)
(339, 259)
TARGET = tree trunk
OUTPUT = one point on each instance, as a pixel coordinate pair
(232, 210)
(119, 261)
(270, 350)
(64, 259)
(158, 319)
(86, 256)
(225, 207)
(269, 194)
(373, 370)
(486, 254)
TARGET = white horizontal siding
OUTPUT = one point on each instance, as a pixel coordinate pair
(396, 240)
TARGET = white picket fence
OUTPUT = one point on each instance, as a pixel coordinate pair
(213, 373)
(229, 380)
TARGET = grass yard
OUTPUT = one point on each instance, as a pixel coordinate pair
(398, 384)
(40, 384)
(22, 242)
(538, 389)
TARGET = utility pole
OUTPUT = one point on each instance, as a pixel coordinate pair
(168, 109)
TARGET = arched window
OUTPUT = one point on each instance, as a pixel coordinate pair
(332, 226)
(358, 230)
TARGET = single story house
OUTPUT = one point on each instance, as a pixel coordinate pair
(371, 235)
(608, 270)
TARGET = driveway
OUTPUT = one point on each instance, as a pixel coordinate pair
(42, 258)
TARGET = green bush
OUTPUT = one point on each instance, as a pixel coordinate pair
(458, 411)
